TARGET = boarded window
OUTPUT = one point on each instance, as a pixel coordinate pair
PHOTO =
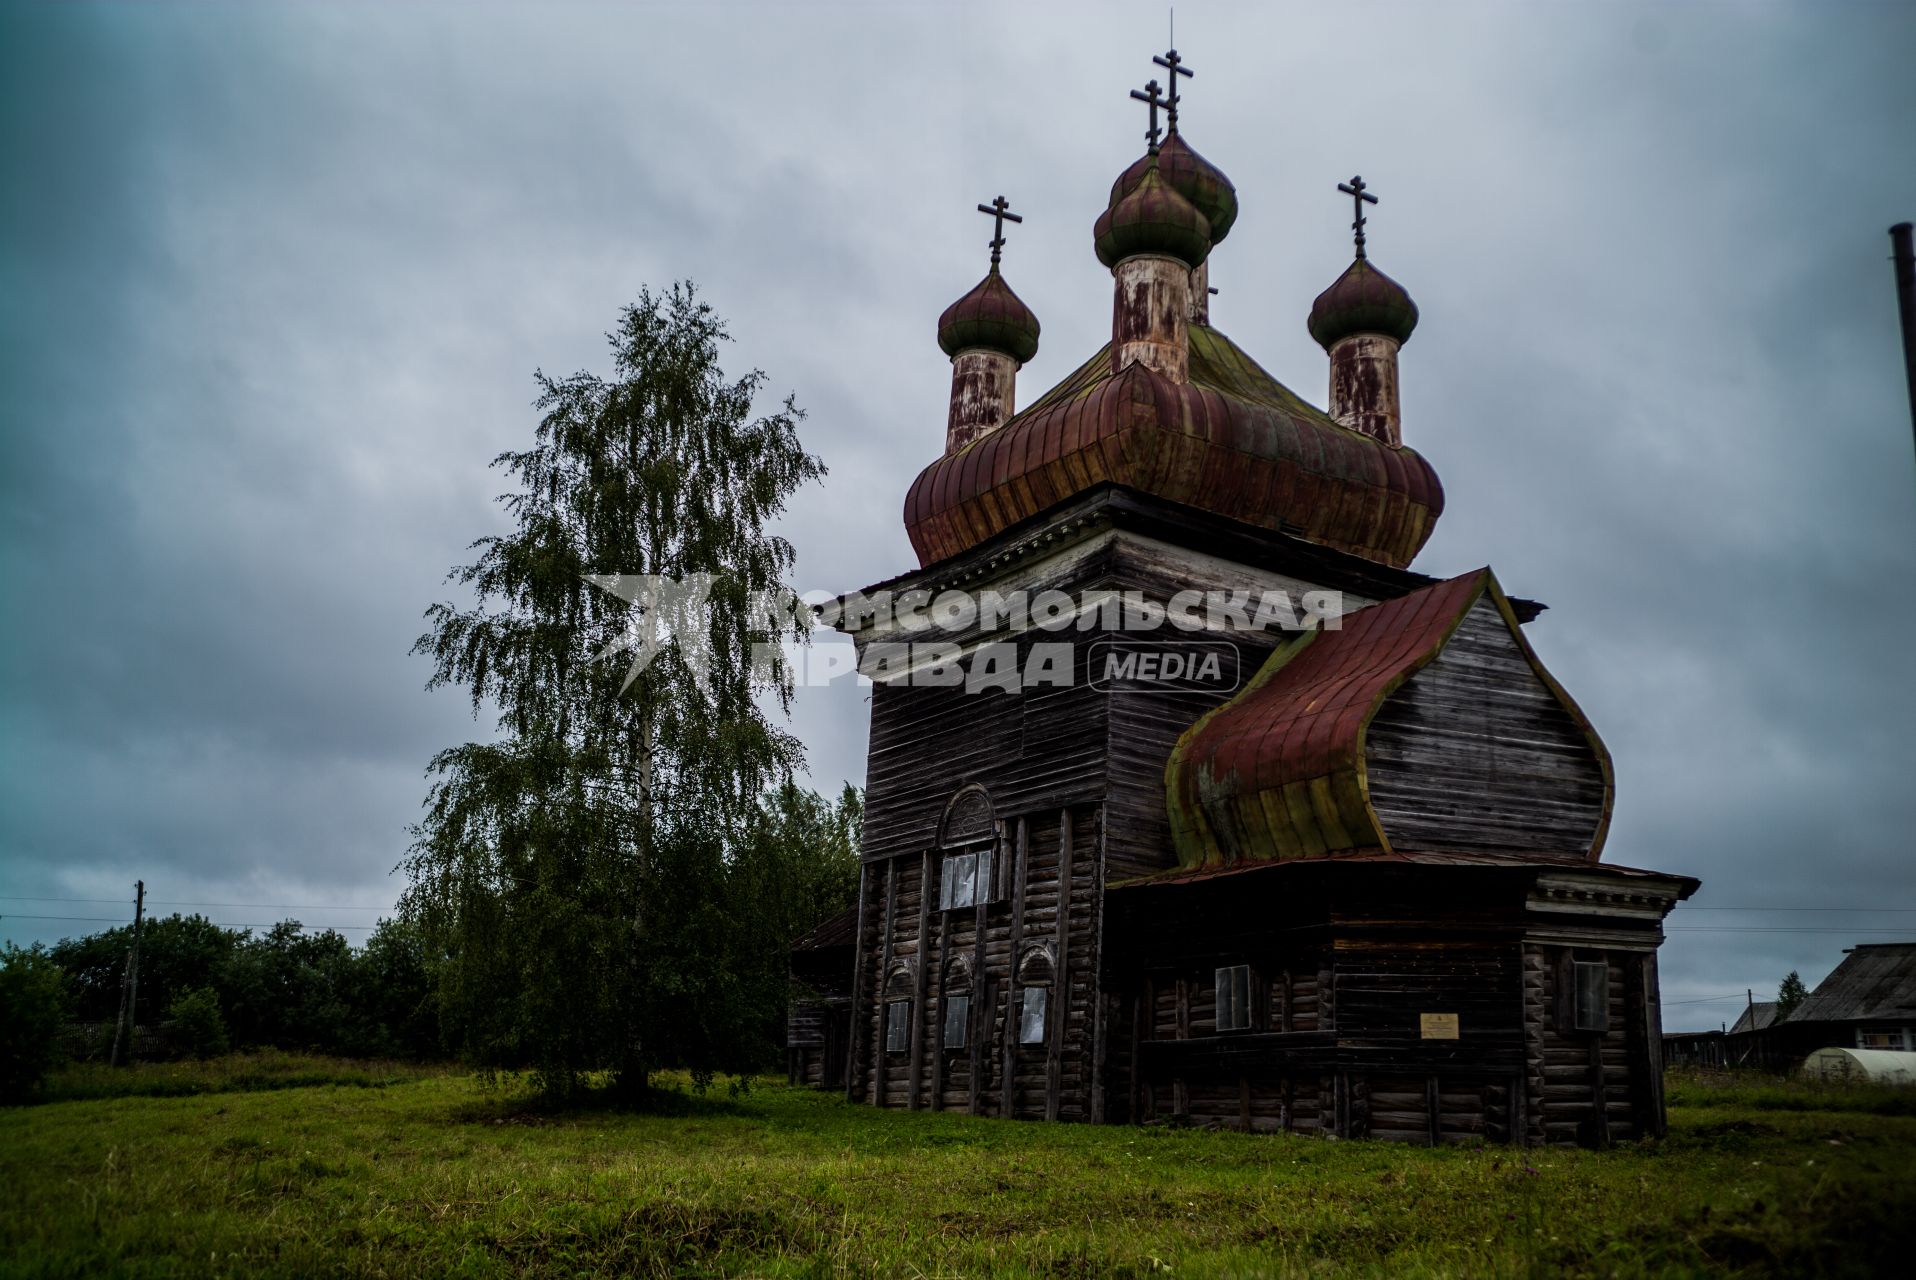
(897, 1026)
(1031, 1006)
(1592, 998)
(957, 1019)
(1234, 998)
(966, 880)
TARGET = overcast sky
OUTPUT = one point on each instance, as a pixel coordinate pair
(276, 280)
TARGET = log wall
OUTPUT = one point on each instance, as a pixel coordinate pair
(987, 953)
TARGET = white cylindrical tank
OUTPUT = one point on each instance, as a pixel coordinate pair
(1858, 1066)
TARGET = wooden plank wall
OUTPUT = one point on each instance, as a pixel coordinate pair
(1045, 858)
(1476, 754)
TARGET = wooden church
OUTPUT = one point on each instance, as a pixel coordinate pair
(1346, 882)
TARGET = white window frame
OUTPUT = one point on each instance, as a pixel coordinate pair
(1233, 1011)
(897, 1026)
(1898, 1037)
(1034, 1003)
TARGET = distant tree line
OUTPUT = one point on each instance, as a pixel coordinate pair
(213, 988)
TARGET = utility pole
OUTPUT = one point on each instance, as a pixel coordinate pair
(130, 985)
(1899, 239)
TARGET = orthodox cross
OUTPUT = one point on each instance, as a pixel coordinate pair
(1359, 198)
(1149, 94)
(1000, 211)
(1175, 65)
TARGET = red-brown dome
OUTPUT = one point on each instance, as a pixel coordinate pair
(991, 316)
(1232, 441)
(1363, 300)
(1191, 176)
(1152, 218)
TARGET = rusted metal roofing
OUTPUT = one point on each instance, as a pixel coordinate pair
(1875, 981)
(990, 316)
(1233, 441)
(1278, 772)
(1193, 177)
(1362, 300)
(1154, 218)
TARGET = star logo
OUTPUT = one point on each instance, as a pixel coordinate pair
(666, 612)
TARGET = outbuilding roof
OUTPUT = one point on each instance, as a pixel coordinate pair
(1877, 981)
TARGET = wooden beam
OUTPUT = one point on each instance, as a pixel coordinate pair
(920, 986)
(1599, 1095)
(1433, 1099)
(858, 974)
(1101, 1004)
(1060, 1010)
(1181, 1092)
(884, 972)
(1008, 1087)
(981, 991)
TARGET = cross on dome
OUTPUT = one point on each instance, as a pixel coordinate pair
(1000, 211)
(1149, 94)
(1359, 197)
(1173, 64)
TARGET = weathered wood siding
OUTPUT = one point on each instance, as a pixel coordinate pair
(1021, 937)
(1476, 754)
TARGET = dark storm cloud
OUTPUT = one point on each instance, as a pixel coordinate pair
(277, 282)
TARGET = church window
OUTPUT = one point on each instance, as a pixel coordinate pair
(957, 1020)
(897, 1026)
(1031, 1007)
(966, 879)
(1234, 998)
(1592, 998)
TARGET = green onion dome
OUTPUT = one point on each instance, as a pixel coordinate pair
(1191, 176)
(1152, 218)
(1364, 300)
(990, 316)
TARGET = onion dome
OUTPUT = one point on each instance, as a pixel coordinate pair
(1152, 218)
(990, 316)
(1364, 300)
(1191, 176)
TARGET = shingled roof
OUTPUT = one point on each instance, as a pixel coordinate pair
(1876, 981)
(1232, 440)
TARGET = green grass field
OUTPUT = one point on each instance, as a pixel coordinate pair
(252, 1166)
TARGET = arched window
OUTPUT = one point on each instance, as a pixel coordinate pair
(957, 989)
(966, 834)
(1034, 993)
(898, 985)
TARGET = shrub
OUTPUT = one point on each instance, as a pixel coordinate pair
(33, 1006)
(198, 1024)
